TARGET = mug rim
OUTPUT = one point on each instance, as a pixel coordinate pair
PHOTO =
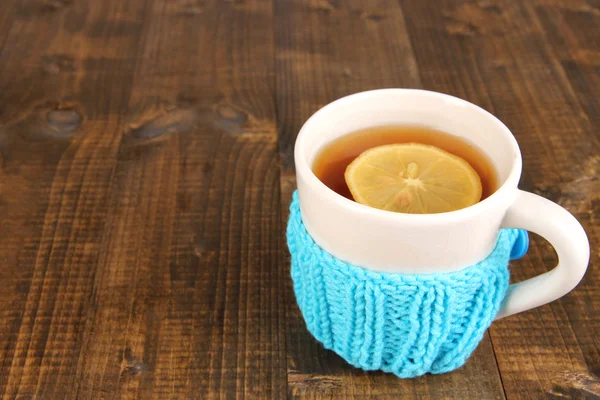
(509, 184)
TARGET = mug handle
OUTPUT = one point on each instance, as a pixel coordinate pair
(555, 224)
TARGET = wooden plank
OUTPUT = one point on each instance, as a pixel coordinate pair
(576, 49)
(325, 50)
(187, 300)
(575, 44)
(497, 55)
(7, 16)
(142, 254)
(59, 130)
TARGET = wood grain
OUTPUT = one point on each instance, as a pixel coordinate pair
(496, 54)
(6, 21)
(59, 125)
(195, 216)
(154, 248)
(326, 50)
(146, 167)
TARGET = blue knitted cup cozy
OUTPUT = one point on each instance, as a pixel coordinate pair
(406, 324)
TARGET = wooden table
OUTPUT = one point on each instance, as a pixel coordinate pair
(147, 166)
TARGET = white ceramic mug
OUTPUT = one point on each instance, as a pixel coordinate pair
(427, 243)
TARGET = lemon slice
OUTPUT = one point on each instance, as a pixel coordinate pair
(413, 178)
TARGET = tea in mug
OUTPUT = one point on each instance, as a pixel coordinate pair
(412, 169)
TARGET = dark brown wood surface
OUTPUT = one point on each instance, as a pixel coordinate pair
(147, 166)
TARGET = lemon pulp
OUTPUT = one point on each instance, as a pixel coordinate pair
(413, 178)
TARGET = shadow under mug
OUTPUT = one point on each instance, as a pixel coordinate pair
(431, 243)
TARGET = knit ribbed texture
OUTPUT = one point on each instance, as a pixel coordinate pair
(405, 324)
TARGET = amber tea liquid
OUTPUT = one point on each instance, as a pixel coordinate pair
(331, 162)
